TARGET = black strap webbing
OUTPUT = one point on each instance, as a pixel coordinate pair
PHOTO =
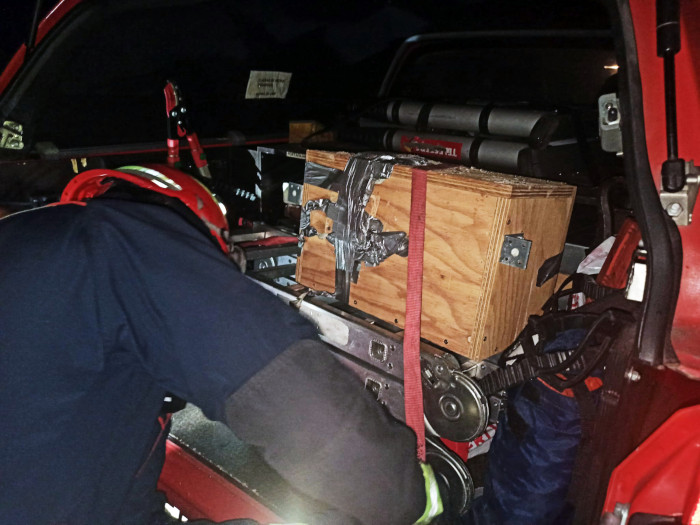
(529, 367)
(536, 363)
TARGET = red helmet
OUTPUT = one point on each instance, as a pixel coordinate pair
(161, 179)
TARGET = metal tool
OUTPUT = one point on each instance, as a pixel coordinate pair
(179, 127)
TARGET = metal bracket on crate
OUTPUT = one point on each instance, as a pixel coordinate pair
(291, 193)
(515, 251)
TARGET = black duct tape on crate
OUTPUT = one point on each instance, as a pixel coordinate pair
(322, 176)
(357, 236)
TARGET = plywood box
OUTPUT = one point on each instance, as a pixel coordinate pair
(475, 301)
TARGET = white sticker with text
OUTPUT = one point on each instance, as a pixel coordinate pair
(268, 84)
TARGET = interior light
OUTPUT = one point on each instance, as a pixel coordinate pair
(614, 67)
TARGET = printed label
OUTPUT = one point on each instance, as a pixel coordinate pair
(268, 84)
(482, 443)
(576, 300)
(435, 148)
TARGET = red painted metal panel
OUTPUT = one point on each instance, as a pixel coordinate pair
(688, 99)
(60, 10)
(48, 23)
(663, 475)
(201, 493)
(685, 340)
(12, 67)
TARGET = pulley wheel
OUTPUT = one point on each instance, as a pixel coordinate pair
(453, 473)
(459, 411)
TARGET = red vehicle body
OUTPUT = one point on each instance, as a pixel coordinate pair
(663, 479)
(659, 432)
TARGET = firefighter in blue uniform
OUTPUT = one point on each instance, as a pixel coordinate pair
(124, 293)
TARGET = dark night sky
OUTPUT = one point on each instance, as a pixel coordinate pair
(16, 17)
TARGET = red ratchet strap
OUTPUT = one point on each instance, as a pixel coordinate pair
(413, 390)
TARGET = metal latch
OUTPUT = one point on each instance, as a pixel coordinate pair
(679, 205)
(11, 135)
(515, 251)
(609, 123)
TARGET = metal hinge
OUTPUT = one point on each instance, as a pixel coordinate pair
(515, 251)
(679, 205)
(11, 135)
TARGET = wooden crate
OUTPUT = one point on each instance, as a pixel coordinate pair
(473, 304)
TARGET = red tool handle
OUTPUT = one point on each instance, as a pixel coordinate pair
(173, 152)
(178, 126)
(173, 141)
(198, 155)
(615, 270)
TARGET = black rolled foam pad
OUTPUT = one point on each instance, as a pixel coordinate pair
(533, 126)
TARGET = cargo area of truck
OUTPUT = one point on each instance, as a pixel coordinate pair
(513, 111)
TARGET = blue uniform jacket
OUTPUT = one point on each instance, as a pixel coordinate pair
(103, 309)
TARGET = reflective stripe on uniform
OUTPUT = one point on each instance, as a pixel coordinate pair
(433, 502)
